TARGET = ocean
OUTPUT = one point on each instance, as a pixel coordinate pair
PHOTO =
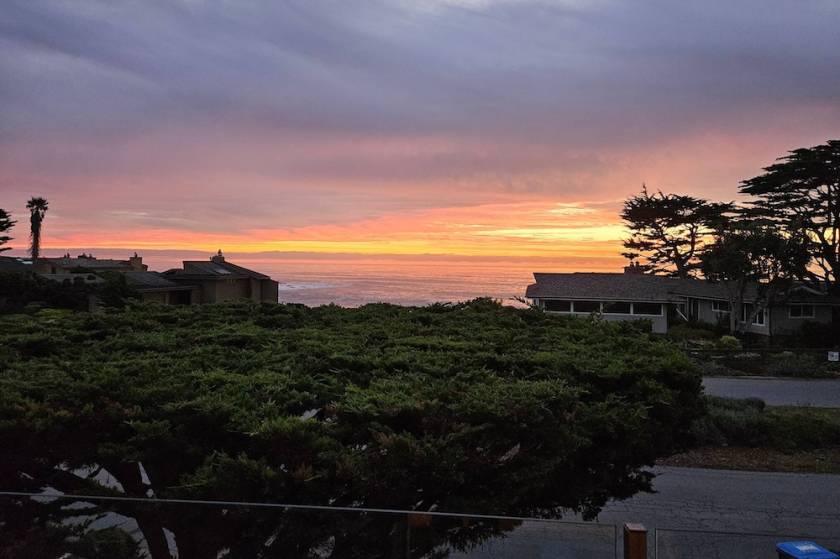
(355, 280)
(355, 283)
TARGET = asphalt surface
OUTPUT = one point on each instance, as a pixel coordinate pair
(694, 513)
(688, 500)
(777, 391)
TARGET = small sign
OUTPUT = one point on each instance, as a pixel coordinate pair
(834, 355)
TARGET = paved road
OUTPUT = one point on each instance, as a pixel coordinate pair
(777, 391)
(688, 516)
(791, 505)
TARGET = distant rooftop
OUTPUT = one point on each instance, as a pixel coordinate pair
(585, 285)
(215, 268)
(645, 287)
(143, 281)
(90, 262)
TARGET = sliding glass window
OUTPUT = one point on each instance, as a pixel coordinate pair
(617, 307)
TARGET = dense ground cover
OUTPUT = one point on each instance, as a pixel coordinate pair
(716, 353)
(473, 407)
(750, 423)
(800, 364)
(744, 434)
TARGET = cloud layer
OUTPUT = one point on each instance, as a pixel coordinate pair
(306, 117)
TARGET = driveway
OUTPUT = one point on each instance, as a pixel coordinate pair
(777, 391)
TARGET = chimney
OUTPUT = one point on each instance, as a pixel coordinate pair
(136, 263)
(218, 258)
(634, 268)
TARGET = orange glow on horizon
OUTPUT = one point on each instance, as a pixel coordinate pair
(522, 230)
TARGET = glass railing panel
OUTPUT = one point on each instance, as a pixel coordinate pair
(517, 539)
(96, 527)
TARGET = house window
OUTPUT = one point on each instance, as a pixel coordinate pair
(557, 306)
(587, 306)
(617, 307)
(747, 310)
(653, 309)
(721, 306)
(801, 311)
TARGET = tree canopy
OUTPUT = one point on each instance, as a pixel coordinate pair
(472, 407)
(668, 231)
(801, 192)
(750, 255)
(6, 223)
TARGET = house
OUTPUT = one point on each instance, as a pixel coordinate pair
(210, 281)
(86, 263)
(217, 280)
(14, 265)
(666, 301)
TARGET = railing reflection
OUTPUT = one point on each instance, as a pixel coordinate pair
(113, 527)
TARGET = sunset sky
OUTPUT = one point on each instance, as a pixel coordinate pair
(491, 128)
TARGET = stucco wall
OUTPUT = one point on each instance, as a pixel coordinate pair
(707, 314)
(783, 324)
(155, 297)
(254, 291)
(269, 291)
(231, 290)
(218, 291)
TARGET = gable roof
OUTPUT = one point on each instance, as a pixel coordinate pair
(147, 281)
(201, 269)
(604, 286)
(646, 287)
(89, 263)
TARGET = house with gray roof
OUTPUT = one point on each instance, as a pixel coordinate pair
(217, 280)
(665, 301)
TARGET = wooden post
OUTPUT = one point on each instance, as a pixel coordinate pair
(419, 520)
(635, 541)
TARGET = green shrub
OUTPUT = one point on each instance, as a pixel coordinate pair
(690, 332)
(35, 345)
(728, 342)
(804, 365)
(748, 422)
(472, 406)
(713, 368)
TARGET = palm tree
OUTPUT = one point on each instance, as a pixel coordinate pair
(38, 207)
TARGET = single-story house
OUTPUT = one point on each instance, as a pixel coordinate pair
(665, 301)
(217, 280)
